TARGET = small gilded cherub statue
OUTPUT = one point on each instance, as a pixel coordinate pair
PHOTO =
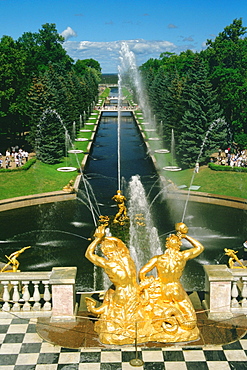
(234, 259)
(121, 215)
(69, 188)
(13, 264)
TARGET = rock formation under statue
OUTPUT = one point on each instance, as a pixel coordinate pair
(156, 309)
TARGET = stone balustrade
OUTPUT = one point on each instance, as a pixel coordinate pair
(39, 293)
(115, 108)
(225, 291)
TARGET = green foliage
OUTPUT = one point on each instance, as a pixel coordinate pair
(25, 167)
(201, 114)
(111, 78)
(35, 74)
(183, 99)
(218, 167)
(50, 138)
(227, 63)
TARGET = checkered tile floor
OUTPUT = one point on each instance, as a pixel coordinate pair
(23, 349)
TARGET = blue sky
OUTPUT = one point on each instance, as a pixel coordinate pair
(96, 28)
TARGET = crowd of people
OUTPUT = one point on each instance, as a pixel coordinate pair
(14, 157)
(236, 159)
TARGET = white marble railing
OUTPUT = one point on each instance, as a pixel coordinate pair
(115, 108)
(226, 291)
(34, 294)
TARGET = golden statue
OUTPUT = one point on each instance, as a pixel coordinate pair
(119, 311)
(173, 315)
(121, 215)
(157, 309)
(12, 260)
(233, 259)
(69, 188)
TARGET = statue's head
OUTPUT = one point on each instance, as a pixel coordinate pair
(113, 247)
(181, 227)
(173, 242)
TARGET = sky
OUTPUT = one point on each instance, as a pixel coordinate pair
(96, 28)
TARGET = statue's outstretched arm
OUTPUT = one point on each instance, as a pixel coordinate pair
(90, 252)
(146, 268)
(197, 249)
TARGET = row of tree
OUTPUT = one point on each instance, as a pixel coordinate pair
(201, 94)
(37, 74)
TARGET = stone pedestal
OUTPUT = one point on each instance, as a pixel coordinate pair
(218, 292)
(62, 281)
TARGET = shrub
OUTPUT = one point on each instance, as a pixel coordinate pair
(25, 167)
(220, 167)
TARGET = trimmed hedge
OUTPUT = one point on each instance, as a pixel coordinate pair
(25, 167)
(220, 167)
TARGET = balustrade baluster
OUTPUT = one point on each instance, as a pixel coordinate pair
(244, 293)
(16, 296)
(26, 296)
(6, 296)
(36, 296)
(47, 296)
(234, 293)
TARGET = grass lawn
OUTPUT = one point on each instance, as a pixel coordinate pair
(41, 177)
(216, 182)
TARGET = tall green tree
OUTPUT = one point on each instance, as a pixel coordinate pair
(227, 60)
(50, 138)
(202, 116)
(12, 86)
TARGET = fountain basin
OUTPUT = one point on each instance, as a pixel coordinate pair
(81, 139)
(161, 151)
(75, 151)
(172, 168)
(66, 169)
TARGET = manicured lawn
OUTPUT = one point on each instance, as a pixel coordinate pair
(41, 177)
(215, 182)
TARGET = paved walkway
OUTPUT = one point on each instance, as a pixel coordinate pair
(32, 345)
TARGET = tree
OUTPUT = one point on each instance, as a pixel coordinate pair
(202, 115)
(227, 61)
(82, 65)
(12, 86)
(50, 138)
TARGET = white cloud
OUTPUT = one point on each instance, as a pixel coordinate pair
(171, 25)
(107, 53)
(68, 33)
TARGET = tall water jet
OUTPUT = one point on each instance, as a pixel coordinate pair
(128, 64)
(74, 131)
(173, 147)
(119, 126)
(144, 242)
(213, 124)
(173, 167)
